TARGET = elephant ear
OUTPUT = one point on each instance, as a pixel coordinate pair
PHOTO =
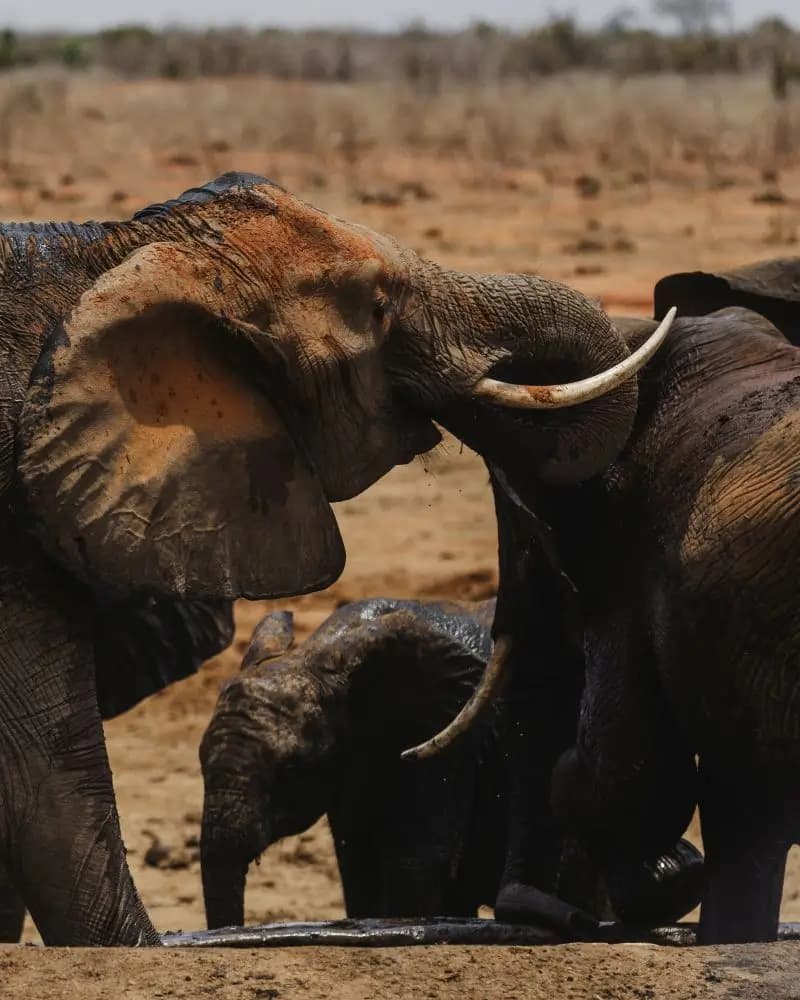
(771, 288)
(150, 454)
(145, 644)
(411, 676)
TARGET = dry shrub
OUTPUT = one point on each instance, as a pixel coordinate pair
(55, 123)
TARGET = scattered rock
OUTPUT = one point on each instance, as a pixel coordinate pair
(416, 189)
(166, 857)
(771, 196)
(183, 160)
(589, 269)
(588, 186)
(622, 244)
(386, 199)
(585, 245)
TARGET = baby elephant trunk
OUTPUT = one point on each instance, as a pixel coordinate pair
(223, 887)
(232, 837)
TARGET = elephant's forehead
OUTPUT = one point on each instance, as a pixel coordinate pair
(306, 234)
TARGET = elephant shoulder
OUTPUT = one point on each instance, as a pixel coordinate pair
(143, 645)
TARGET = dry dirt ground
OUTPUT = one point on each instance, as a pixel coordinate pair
(427, 529)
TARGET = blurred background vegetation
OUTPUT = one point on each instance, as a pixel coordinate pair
(89, 122)
(701, 43)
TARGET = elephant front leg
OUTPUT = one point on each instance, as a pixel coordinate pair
(746, 840)
(12, 909)
(61, 830)
(628, 788)
(74, 874)
(542, 714)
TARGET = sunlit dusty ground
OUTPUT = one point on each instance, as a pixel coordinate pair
(426, 529)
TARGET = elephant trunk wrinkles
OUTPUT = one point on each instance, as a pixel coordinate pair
(518, 328)
(224, 878)
(233, 835)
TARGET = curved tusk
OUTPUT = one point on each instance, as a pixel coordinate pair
(557, 397)
(480, 699)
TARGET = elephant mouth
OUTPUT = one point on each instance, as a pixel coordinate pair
(419, 436)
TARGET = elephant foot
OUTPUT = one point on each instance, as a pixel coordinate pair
(524, 904)
(657, 892)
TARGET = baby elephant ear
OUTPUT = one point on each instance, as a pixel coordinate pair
(770, 287)
(150, 454)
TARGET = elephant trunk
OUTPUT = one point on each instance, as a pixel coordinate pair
(224, 878)
(495, 347)
(487, 339)
(232, 836)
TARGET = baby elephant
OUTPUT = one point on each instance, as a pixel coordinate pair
(320, 728)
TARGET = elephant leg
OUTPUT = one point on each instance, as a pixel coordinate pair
(12, 909)
(400, 860)
(628, 789)
(542, 716)
(746, 847)
(61, 830)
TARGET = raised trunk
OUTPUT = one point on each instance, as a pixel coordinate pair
(458, 328)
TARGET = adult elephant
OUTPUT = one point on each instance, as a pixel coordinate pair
(673, 574)
(318, 729)
(182, 397)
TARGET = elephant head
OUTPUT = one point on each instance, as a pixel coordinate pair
(288, 731)
(189, 423)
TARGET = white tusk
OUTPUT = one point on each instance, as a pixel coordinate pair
(480, 699)
(557, 397)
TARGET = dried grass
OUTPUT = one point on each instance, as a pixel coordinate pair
(84, 126)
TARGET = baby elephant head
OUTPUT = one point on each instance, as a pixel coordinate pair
(269, 765)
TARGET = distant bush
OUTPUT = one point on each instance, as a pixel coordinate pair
(416, 54)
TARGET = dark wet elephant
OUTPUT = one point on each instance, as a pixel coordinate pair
(319, 730)
(182, 397)
(673, 577)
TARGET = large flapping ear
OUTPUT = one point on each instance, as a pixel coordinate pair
(771, 288)
(144, 644)
(150, 455)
